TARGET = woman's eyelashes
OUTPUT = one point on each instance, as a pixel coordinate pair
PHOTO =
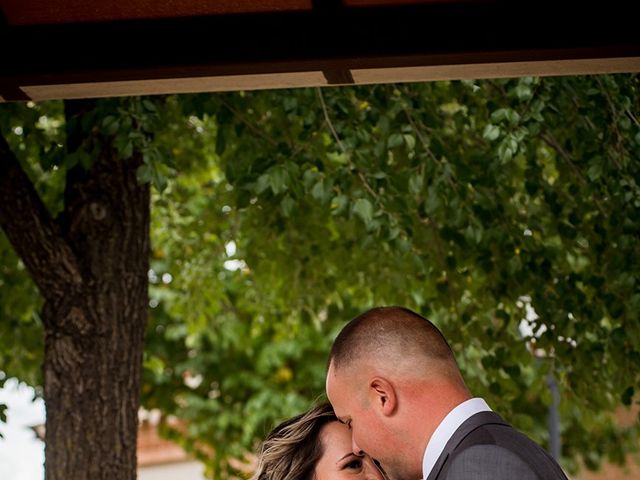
(353, 464)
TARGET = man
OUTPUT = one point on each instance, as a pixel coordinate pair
(394, 380)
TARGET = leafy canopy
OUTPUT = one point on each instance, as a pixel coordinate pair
(507, 211)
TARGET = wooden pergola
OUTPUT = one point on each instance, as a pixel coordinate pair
(53, 49)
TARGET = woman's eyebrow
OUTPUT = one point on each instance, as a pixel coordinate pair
(346, 456)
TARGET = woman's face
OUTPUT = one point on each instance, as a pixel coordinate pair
(338, 461)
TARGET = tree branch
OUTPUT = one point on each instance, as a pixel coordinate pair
(244, 120)
(553, 143)
(34, 235)
(328, 120)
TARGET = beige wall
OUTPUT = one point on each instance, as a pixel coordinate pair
(626, 418)
(612, 472)
(190, 470)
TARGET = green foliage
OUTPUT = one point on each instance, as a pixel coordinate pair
(34, 133)
(288, 212)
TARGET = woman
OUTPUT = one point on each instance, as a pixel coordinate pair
(313, 446)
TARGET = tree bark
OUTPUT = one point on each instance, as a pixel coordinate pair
(91, 266)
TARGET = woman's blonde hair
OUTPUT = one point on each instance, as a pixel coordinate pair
(293, 448)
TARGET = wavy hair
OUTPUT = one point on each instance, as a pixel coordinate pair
(293, 448)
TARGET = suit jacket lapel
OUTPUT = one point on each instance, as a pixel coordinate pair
(471, 424)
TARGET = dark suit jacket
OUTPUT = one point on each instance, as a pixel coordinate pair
(486, 447)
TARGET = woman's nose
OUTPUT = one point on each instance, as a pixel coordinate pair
(371, 470)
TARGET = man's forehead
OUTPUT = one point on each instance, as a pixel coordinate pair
(340, 372)
(335, 390)
(331, 377)
(330, 384)
(343, 378)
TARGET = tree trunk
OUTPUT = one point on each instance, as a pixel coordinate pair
(91, 267)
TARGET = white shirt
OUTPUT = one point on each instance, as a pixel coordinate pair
(447, 428)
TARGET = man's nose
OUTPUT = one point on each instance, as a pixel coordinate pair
(356, 449)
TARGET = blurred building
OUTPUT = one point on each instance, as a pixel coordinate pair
(160, 459)
(626, 417)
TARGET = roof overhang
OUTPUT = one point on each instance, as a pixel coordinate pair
(73, 49)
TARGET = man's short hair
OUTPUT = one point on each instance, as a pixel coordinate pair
(390, 331)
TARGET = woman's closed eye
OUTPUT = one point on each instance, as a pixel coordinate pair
(353, 464)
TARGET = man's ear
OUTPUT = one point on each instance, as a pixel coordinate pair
(383, 396)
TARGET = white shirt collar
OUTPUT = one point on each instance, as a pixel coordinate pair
(447, 428)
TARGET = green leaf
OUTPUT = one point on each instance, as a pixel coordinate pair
(149, 105)
(491, 132)
(594, 172)
(395, 140)
(127, 151)
(144, 174)
(287, 204)
(340, 158)
(339, 204)
(290, 103)
(79, 157)
(416, 184)
(264, 182)
(154, 364)
(505, 115)
(523, 92)
(507, 148)
(110, 125)
(159, 181)
(278, 179)
(410, 141)
(364, 209)
(322, 190)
